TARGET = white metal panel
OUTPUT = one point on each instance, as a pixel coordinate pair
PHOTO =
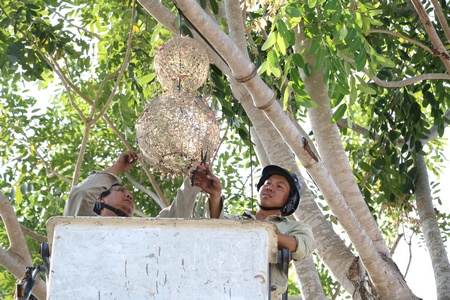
(140, 258)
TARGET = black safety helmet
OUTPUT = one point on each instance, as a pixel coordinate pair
(295, 193)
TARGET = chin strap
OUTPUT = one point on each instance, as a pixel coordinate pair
(100, 205)
(270, 208)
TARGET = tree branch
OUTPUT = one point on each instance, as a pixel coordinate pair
(122, 70)
(440, 49)
(401, 83)
(50, 172)
(83, 146)
(408, 81)
(399, 35)
(35, 236)
(53, 64)
(13, 230)
(17, 257)
(145, 190)
(83, 29)
(146, 170)
(442, 18)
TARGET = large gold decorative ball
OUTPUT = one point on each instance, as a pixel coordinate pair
(174, 129)
(181, 63)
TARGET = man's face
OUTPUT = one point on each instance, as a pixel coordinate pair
(120, 198)
(274, 192)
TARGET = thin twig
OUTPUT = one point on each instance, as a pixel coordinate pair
(122, 70)
(399, 35)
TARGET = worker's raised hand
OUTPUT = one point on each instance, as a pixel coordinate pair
(127, 160)
(124, 162)
(209, 183)
(206, 180)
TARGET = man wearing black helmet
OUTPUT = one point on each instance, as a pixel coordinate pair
(279, 196)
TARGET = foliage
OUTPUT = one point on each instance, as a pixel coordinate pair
(86, 43)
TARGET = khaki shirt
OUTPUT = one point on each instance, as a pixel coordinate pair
(82, 197)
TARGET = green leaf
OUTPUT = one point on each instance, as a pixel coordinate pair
(355, 44)
(146, 78)
(275, 71)
(292, 11)
(18, 196)
(315, 45)
(307, 69)
(273, 58)
(350, 36)
(298, 60)
(282, 29)
(312, 3)
(361, 60)
(286, 98)
(305, 102)
(214, 6)
(339, 113)
(320, 59)
(367, 89)
(265, 67)
(296, 89)
(365, 167)
(271, 40)
(385, 61)
(281, 46)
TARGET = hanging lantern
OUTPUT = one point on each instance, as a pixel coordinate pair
(181, 63)
(174, 129)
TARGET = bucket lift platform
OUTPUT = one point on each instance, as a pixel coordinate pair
(153, 258)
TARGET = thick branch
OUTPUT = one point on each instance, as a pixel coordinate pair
(264, 98)
(35, 236)
(160, 13)
(440, 49)
(17, 257)
(442, 18)
(236, 24)
(15, 235)
(430, 228)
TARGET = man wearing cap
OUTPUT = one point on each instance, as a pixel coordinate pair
(101, 194)
(279, 196)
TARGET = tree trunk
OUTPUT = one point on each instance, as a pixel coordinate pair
(430, 228)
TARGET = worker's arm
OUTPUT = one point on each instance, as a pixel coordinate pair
(124, 163)
(82, 197)
(302, 233)
(287, 241)
(183, 204)
(209, 183)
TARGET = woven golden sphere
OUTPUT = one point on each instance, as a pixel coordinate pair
(174, 129)
(181, 63)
